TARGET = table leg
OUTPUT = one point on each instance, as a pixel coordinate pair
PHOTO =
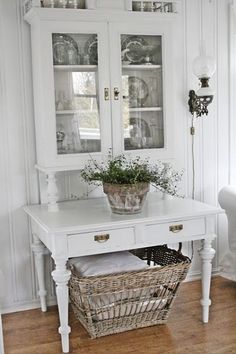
(61, 276)
(207, 254)
(39, 251)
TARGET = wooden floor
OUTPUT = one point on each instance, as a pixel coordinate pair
(34, 332)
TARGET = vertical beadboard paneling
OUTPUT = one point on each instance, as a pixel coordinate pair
(210, 123)
(224, 120)
(6, 263)
(192, 41)
(14, 158)
(232, 92)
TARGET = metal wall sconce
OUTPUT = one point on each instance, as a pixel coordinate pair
(203, 67)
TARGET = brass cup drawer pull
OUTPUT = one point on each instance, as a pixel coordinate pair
(176, 228)
(102, 238)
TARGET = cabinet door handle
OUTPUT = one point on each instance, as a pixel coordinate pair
(176, 228)
(106, 94)
(102, 238)
(116, 93)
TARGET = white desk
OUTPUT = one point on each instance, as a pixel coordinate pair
(71, 232)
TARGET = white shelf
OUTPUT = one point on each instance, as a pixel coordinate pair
(145, 109)
(141, 66)
(75, 111)
(82, 68)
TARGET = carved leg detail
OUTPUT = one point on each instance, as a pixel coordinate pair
(52, 192)
(61, 276)
(39, 251)
(207, 254)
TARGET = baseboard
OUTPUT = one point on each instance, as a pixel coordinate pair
(24, 306)
(196, 275)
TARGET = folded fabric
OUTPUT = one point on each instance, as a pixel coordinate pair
(108, 263)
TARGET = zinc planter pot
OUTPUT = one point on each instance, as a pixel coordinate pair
(126, 198)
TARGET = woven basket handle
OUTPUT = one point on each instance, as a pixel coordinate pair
(180, 247)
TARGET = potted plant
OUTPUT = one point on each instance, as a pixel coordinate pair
(126, 181)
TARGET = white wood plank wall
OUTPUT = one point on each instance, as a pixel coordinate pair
(18, 180)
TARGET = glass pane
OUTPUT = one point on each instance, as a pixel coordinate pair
(75, 59)
(142, 91)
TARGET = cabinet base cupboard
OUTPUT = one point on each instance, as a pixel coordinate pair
(102, 81)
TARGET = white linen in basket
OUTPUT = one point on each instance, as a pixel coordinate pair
(108, 263)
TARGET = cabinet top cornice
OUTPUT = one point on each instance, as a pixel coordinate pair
(56, 14)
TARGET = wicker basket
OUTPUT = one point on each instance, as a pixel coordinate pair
(120, 302)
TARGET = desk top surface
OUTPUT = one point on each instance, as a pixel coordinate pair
(82, 215)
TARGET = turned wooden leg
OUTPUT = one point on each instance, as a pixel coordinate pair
(52, 191)
(61, 276)
(39, 251)
(207, 254)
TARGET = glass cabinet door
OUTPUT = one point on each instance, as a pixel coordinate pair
(142, 91)
(75, 60)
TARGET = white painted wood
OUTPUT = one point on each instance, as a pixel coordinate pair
(52, 192)
(152, 28)
(207, 254)
(232, 92)
(61, 232)
(108, 70)
(225, 127)
(15, 250)
(39, 253)
(106, 4)
(117, 239)
(73, 216)
(61, 276)
(45, 114)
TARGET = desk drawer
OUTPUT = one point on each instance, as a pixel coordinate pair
(100, 241)
(175, 231)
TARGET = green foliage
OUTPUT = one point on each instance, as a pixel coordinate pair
(122, 170)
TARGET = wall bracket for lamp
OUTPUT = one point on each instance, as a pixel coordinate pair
(203, 68)
(198, 103)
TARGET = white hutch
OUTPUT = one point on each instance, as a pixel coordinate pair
(102, 81)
